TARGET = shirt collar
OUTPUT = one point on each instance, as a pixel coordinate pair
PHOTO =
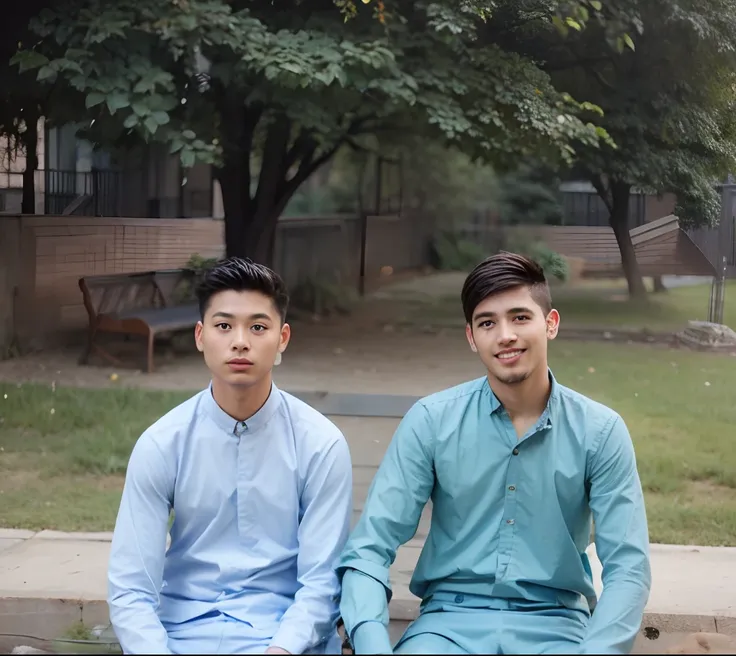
(495, 404)
(234, 427)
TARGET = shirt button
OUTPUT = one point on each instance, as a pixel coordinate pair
(509, 521)
(459, 599)
(512, 487)
(515, 452)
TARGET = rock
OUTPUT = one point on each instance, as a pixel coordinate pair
(708, 336)
(22, 649)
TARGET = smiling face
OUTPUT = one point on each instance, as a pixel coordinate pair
(240, 335)
(509, 331)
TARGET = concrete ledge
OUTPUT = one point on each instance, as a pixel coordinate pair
(49, 618)
(84, 537)
(45, 619)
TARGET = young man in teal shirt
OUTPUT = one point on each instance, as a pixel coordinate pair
(517, 467)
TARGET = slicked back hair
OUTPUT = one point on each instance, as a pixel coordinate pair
(242, 274)
(502, 272)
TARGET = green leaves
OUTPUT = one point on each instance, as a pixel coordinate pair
(432, 67)
(116, 101)
(93, 99)
(27, 60)
(668, 99)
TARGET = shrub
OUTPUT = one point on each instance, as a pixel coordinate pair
(453, 252)
(316, 296)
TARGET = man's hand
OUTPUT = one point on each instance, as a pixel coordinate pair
(276, 650)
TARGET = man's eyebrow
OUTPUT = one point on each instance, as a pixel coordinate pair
(492, 315)
(252, 317)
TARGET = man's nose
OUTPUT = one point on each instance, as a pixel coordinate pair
(506, 333)
(241, 341)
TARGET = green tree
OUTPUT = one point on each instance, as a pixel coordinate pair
(669, 103)
(269, 90)
(23, 101)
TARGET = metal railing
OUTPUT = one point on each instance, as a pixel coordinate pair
(103, 187)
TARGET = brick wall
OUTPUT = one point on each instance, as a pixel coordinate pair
(10, 274)
(54, 252)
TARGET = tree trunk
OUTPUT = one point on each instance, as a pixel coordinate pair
(247, 234)
(30, 145)
(659, 285)
(288, 160)
(619, 220)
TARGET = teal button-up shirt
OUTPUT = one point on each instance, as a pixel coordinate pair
(511, 518)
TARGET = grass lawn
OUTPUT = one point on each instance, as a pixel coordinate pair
(600, 304)
(64, 469)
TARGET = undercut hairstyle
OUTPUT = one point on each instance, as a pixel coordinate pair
(240, 275)
(502, 272)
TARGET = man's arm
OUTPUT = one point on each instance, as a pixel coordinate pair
(397, 496)
(328, 505)
(622, 544)
(136, 564)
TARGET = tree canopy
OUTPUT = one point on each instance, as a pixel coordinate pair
(269, 90)
(669, 103)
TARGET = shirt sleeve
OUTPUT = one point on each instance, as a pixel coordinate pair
(399, 491)
(622, 544)
(327, 502)
(135, 570)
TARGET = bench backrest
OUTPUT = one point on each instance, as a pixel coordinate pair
(120, 292)
(116, 293)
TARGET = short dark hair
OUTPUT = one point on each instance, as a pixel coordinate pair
(500, 273)
(242, 274)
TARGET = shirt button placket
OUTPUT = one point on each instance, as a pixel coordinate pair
(241, 429)
(509, 521)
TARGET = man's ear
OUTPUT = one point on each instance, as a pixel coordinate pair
(198, 336)
(285, 337)
(553, 323)
(469, 336)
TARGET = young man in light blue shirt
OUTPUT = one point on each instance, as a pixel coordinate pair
(261, 489)
(516, 466)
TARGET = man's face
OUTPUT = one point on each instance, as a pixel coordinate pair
(510, 332)
(240, 336)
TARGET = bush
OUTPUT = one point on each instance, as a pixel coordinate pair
(200, 264)
(452, 252)
(184, 292)
(554, 264)
(316, 296)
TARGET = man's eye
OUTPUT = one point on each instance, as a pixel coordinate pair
(222, 326)
(522, 317)
(259, 327)
(485, 324)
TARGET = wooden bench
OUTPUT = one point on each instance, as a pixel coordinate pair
(138, 304)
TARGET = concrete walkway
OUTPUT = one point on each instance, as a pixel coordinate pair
(50, 580)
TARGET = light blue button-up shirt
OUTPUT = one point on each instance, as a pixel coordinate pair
(262, 511)
(511, 518)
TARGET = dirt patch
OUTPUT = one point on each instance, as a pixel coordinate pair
(710, 491)
(16, 478)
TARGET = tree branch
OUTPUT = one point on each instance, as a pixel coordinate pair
(309, 164)
(603, 191)
(273, 164)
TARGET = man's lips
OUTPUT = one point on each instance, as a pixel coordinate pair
(509, 354)
(240, 362)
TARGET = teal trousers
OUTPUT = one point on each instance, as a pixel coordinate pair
(467, 624)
